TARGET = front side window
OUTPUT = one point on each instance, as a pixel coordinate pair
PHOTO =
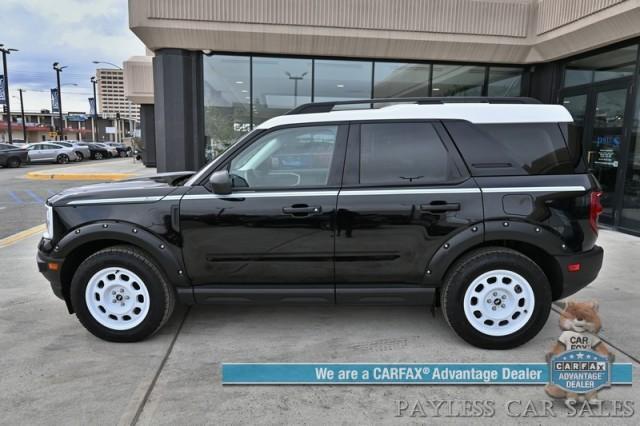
(294, 157)
(404, 154)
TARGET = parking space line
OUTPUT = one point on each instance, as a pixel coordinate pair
(34, 196)
(12, 239)
(15, 197)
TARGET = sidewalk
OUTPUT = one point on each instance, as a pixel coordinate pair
(104, 170)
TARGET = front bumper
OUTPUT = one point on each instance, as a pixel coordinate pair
(590, 264)
(53, 276)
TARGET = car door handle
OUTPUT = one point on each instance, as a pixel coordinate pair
(440, 207)
(302, 210)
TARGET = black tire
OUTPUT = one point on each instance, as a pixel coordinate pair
(161, 294)
(13, 163)
(80, 155)
(471, 266)
(122, 154)
(98, 156)
(62, 159)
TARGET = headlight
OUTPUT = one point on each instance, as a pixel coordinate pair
(48, 233)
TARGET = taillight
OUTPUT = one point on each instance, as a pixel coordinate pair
(595, 208)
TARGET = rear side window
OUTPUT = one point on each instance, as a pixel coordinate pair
(513, 148)
(404, 154)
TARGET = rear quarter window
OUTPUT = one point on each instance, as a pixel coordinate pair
(514, 148)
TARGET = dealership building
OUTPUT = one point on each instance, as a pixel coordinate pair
(217, 68)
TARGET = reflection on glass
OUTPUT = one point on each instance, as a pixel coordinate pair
(577, 106)
(630, 217)
(398, 80)
(341, 80)
(604, 66)
(604, 151)
(457, 80)
(279, 84)
(226, 101)
(504, 81)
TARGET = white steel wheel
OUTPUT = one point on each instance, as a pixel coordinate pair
(117, 298)
(499, 302)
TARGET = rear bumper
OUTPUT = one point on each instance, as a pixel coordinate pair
(590, 264)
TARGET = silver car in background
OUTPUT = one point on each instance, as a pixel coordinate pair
(82, 151)
(51, 152)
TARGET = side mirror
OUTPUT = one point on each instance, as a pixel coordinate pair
(221, 182)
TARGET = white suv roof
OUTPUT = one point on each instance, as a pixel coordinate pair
(473, 112)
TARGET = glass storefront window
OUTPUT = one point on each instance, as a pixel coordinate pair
(604, 66)
(341, 80)
(227, 98)
(630, 217)
(504, 81)
(279, 84)
(457, 80)
(399, 80)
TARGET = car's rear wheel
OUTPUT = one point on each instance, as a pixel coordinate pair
(62, 159)
(98, 156)
(13, 162)
(496, 298)
(120, 295)
(80, 155)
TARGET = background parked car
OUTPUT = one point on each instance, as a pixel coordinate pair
(82, 151)
(50, 152)
(123, 150)
(12, 156)
(113, 152)
(97, 152)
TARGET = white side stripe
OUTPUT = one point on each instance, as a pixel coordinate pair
(410, 191)
(346, 192)
(536, 189)
(116, 200)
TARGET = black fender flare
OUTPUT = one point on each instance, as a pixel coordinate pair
(167, 256)
(483, 234)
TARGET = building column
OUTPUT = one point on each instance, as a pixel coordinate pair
(148, 134)
(179, 110)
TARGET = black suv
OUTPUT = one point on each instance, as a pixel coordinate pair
(483, 207)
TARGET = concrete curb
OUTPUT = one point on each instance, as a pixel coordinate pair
(77, 176)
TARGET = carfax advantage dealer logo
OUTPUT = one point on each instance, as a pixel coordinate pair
(580, 371)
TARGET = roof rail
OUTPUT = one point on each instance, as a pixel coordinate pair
(316, 107)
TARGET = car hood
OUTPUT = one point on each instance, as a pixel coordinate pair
(127, 191)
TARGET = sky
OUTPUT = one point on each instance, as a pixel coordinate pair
(71, 32)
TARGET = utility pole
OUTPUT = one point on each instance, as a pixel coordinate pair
(24, 123)
(5, 51)
(58, 69)
(94, 80)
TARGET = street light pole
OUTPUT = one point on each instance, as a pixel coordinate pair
(5, 51)
(24, 124)
(295, 79)
(94, 80)
(58, 69)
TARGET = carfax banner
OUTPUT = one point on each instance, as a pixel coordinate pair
(581, 375)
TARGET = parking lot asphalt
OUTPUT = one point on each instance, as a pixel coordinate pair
(55, 372)
(22, 199)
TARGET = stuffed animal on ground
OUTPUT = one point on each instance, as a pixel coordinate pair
(580, 323)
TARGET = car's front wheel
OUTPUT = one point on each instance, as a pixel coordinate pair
(62, 159)
(120, 295)
(98, 156)
(80, 155)
(496, 298)
(13, 162)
